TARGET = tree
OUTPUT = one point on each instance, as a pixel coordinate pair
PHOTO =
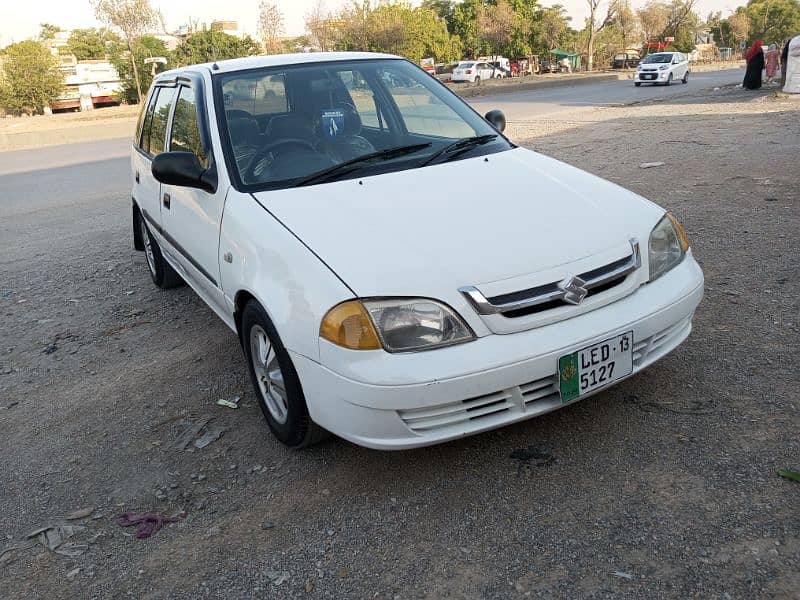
(270, 26)
(496, 24)
(89, 44)
(773, 20)
(553, 24)
(740, 26)
(146, 46)
(208, 46)
(322, 28)
(625, 23)
(133, 18)
(413, 32)
(593, 27)
(32, 79)
(465, 26)
(653, 18)
(47, 31)
(682, 24)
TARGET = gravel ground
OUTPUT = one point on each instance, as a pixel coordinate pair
(663, 486)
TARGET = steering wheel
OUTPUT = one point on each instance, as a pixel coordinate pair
(265, 151)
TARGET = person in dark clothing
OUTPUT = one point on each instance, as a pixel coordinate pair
(784, 60)
(755, 64)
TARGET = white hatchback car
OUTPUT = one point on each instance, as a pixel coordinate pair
(324, 206)
(662, 68)
(472, 71)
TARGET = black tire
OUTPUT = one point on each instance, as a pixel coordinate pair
(162, 274)
(293, 427)
(685, 79)
(669, 80)
(637, 83)
(477, 79)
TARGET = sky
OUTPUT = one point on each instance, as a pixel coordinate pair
(23, 23)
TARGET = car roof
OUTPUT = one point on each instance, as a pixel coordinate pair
(275, 60)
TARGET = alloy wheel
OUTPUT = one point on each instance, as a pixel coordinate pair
(268, 374)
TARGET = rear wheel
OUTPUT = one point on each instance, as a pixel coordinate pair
(162, 274)
(275, 381)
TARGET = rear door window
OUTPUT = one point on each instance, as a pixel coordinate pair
(147, 122)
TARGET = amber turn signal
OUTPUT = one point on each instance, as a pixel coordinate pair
(682, 237)
(348, 325)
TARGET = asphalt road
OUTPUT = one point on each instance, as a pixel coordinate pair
(536, 104)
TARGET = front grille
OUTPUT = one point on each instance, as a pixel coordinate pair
(532, 397)
(553, 295)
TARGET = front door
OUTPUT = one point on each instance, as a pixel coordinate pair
(191, 217)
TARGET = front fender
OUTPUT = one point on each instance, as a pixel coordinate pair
(273, 266)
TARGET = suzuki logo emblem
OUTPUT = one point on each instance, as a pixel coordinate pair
(574, 290)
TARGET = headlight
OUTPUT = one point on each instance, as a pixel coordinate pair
(663, 67)
(396, 324)
(668, 244)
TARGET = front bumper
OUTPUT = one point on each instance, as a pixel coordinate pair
(660, 76)
(445, 394)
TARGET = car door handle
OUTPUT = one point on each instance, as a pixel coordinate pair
(137, 176)
(167, 200)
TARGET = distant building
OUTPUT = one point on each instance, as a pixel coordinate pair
(229, 27)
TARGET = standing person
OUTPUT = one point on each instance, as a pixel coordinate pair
(771, 61)
(755, 64)
(784, 60)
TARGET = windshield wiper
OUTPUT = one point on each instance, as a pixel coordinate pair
(354, 163)
(460, 146)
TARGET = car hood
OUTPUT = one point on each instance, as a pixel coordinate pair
(429, 231)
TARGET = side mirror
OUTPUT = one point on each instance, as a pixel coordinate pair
(184, 169)
(497, 119)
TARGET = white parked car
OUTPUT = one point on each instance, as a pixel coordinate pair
(379, 289)
(663, 68)
(472, 71)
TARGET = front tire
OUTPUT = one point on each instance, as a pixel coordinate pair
(275, 381)
(477, 80)
(162, 274)
(685, 79)
(637, 83)
(669, 80)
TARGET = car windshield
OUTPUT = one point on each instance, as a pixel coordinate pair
(465, 65)
(285, 125)
(657, 58)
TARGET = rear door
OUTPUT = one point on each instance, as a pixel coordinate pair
(150, 142)
(191, 217)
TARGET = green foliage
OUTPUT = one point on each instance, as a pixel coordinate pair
(773, 20)
(207, 46)
(47, 31)
(31, 78)
(465, 26)
(144, 47)
(399, 28)
(89, 44)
